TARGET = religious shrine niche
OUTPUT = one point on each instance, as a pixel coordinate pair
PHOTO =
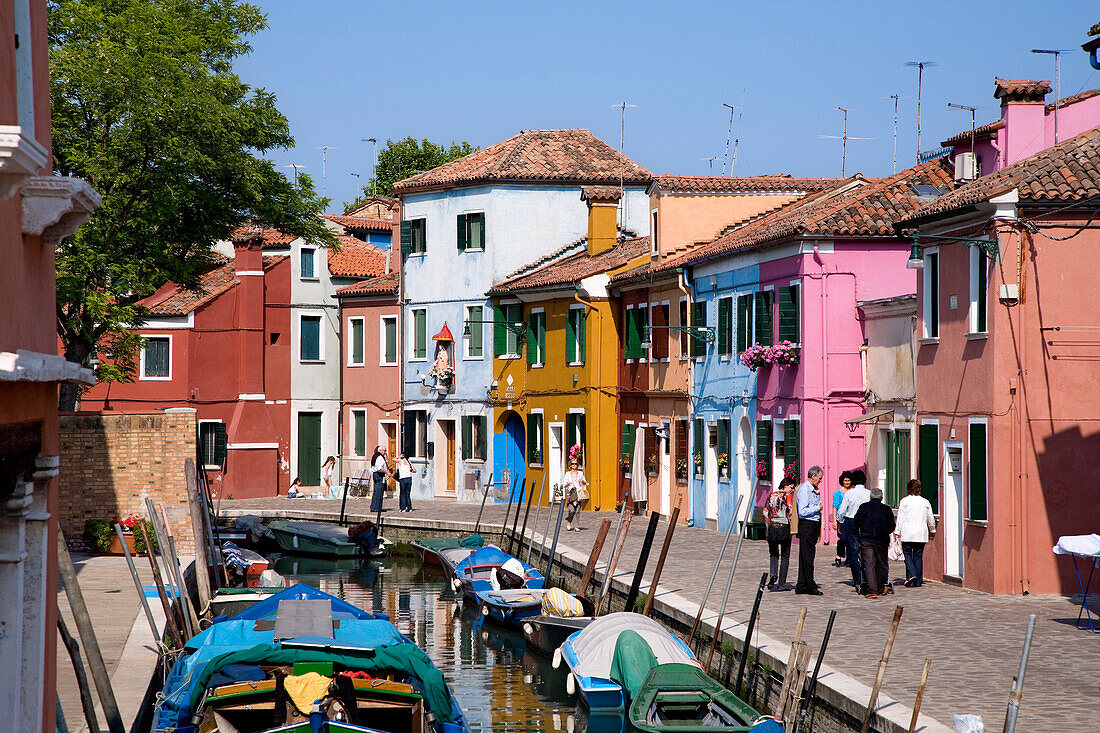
(443, 370)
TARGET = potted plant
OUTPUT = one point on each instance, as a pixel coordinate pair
(698, 460)
(651, 465)
(764, 470)
(99, 535)
(536, 456)
(783, 354)
(791, 471)
(681, 470)
(626, 464)
(724, 465)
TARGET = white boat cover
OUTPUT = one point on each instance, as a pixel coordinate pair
(1082, 545)
(595, 644)
(516, 595)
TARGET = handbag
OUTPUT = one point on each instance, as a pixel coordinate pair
(894, 553)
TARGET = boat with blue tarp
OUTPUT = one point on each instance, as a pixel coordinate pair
(303, 661)
(491, 568)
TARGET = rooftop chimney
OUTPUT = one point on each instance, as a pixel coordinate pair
(1022, 109)
(603, 209)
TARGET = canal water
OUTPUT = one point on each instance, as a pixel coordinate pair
(500, 685)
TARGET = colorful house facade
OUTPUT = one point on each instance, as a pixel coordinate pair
(467, 225)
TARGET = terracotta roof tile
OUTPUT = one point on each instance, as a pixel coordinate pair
(176, 300)
(381, 285)
(361, 223)
(371, 200)
(573, 156)
(1068, 171)
(778, 182)
(356, 259)
(980, 133)
(1095, 30)
(1073, 99)
(601, 193)
(271, 237)
(570, 270)
(1021, 88)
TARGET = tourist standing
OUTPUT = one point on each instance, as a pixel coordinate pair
(874, 522)
(808, 501)
(854, 498)
(328, 484)
(380, 471)
(404, 482)
(576, 492)
(916, 528)
(777, 515)
(845, 482)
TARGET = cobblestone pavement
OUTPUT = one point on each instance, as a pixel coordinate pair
(973, 639)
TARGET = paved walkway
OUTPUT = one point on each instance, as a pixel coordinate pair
(973, 639)
(122, 630)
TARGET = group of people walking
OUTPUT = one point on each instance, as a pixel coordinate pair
(379, 472)
(865, 526)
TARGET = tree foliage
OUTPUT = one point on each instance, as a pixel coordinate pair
(147, 109)
(400, 159)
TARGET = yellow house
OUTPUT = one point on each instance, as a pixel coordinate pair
(556, 360)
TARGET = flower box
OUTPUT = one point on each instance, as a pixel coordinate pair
(114, 547)
(782, 354)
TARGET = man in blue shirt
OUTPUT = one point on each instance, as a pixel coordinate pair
(808, 502)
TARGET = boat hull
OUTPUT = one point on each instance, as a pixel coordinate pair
(544, 634)
(312, 538)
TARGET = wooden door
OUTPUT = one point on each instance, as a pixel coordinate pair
(309, 448)
(447, 429)
(389, 431)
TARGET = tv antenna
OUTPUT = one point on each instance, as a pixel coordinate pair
(729, 132)
(324, 182)
(895, 97)
(622, 161)
(921, 65)
(844, 140)
(1057, 95)
(374, 175)
(295, 166)
(952, 105)
(711, 160)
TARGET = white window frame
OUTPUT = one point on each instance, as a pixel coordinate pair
(320, 336)
(210, 466)
(977, 259)
(424, 251)
(578, 342)
(315, 276)
(626, 326)
(412, 335)
(511, 338)
(466, 339)
(966, 470)
(484, 236)
(654, 225)
(351, 433)
(382, 341)
(541, 361)
(351, 341)
(798, 343)
(926, 295)
(141, 366)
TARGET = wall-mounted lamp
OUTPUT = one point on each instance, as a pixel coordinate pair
(916, 259)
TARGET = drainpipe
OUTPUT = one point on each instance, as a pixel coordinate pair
(681, 282)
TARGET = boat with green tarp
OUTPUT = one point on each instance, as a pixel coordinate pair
(682, 698)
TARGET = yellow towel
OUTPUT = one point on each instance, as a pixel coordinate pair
(557, 602)
(306, 688)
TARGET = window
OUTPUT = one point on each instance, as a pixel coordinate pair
(473, 438)
(791, 445)
(534, 438)
(505, 340)
(359, 432)
(309, 263)
(414, 236)
(682, 323)
(420, 333)
(653, 231)
(536, 338)
(355, 342)
(682, 457)
(698, 440)
(930, 308)
(977, 500)
(471, 231)
(928, 461)
(725, 326)
(626, 462)
(635, 324)
(788, 313)
(659, 334)
(475, 342)
(698, 321)
(389, 340)
(897, 465)
(764, 317)
(309, 334)
(212, 443)
(156, 358)
(416, 433)
(575, 432)
(574, 335)
(744, 322)
(764, 450)
(724, 445)
(979, 286)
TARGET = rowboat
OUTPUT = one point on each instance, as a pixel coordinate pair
(677, 698)
(304, 661)
(610, 657)
(490, 568)
(431, 548)
(544, 634)
(319, 538)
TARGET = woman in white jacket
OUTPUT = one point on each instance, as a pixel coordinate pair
(916, 526)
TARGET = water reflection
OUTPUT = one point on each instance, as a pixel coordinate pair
(500, 685)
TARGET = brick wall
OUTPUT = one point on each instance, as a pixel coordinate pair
(111, 462)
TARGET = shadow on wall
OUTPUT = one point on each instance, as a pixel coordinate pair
(1069, 474)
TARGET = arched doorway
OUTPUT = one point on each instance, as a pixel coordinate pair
(508, 459)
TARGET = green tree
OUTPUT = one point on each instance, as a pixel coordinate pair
(147, 109)
(403, 158)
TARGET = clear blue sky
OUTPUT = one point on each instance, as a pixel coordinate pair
(481, 71)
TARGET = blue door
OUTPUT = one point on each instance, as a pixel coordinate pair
(508, 457)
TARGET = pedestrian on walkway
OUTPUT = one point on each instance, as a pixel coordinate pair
(380, 471)
(329, 486)
(874, 522)
(576, 492)
(404, 482)
(808, 500)
(777, 515)
(854, 498)
(845, 482)
(916, 528)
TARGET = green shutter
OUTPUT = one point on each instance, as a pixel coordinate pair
(764, 317)
(406, 237)
(764, 446)
(532, 338)
(983, 284)
(788, 314)
(542, 337)
(409, 429)
(977, 473)
(790, 442)
(633, 348)
(359, 424)
(582, 316)
(571, 337)
(724, 438)
(467, 437)
(697, 443)
(723, 325)
(570, 432)
(221, 443)
(420, 345)
(357, 341)
(391, 340)
(500, 333)
(477, 331)
(463, 236)
(482, 453)
(928, 464)
(697, 345)
(744, 316)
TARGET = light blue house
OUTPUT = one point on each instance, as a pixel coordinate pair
(465, 226)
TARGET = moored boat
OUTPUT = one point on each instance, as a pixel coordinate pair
(302, 661)
(329, 540)
(677, 698)
(491, 568)
(513, 607)
(431, 548)
(544, 634)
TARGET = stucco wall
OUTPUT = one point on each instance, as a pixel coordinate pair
(685, 218)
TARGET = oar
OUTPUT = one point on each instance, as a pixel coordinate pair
(714, 573)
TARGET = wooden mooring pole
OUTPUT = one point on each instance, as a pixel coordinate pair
(616, 550)
(661, 561)
(594, 556)
(173, 627)
(920, 696)
(203, 554)
(643, 558)
(86, 701)
(881, 671)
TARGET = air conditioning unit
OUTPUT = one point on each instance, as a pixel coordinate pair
(966, 167)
